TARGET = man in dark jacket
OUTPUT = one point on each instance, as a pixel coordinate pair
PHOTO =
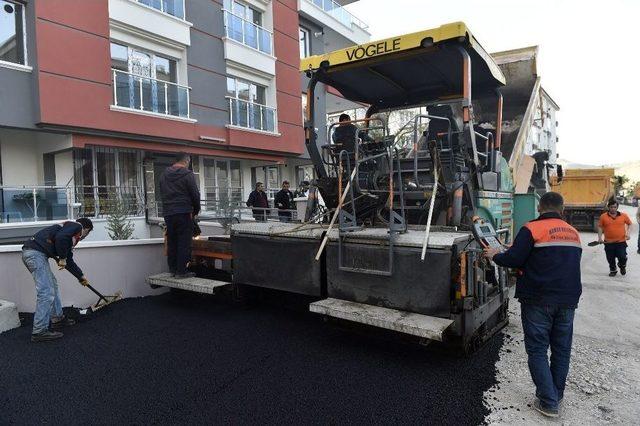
(547, 252)
(284, 202)
(258, 199)
(346, 132)
(56, 242)
(180, 204)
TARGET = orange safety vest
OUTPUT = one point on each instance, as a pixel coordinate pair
(553, 233)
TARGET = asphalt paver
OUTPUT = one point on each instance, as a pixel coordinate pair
(195, 359)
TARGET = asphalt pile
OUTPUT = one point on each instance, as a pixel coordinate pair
(199, 359)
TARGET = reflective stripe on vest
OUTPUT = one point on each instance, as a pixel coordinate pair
(553, 233)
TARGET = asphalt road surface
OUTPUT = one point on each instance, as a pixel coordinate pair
(204, 360)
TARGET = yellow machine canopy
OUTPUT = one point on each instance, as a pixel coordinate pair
(408, 70)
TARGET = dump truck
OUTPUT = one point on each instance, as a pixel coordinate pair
(586, 193)
(401, 246)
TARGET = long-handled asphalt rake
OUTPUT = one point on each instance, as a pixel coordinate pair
(103, 300)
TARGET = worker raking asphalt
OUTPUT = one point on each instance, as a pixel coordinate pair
(202, 360)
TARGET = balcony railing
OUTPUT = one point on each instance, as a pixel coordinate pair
(35, 203)
(151, 95)
(172, 7)
(103, 200)
(248, 33)
(339, 12)
(251, 115)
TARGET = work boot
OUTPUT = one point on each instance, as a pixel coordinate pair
(613, 273)
(185, 275)
(45, 336)
(623, 270)
(62, 322)
(548, 412)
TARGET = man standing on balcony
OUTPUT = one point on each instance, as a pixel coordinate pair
(57, 242)
(180, 204)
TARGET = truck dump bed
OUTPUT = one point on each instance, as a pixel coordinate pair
(585, 193)
(528, 120)
(586, 187)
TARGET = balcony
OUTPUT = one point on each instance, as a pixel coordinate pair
(248, 33)
(35, 203)
(248, 44)
(339, 13)
(149, 20)
(251, 115)
(331, 15)
(149, 96)
(171, 7)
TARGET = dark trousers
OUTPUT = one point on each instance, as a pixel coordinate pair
(179, 236)
(546, 326)
(284, 215)
(260, 215)
(616, 251)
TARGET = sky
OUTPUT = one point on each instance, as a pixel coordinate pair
(588, 59)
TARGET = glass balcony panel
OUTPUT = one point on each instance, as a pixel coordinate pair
(125, 90)
(172, 7)
(235, 27)
(269, 119)
(252, 115)
(157, 96)
(255, 116)
(247, 33)
(243, 114)
(17, 204)
(264, 41)
(339, 12)
(148, 99)
(251, 34)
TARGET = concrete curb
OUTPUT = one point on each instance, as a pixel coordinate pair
(8, 316)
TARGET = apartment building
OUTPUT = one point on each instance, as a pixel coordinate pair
(97, 95)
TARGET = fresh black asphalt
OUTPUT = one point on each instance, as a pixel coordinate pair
(204, 360)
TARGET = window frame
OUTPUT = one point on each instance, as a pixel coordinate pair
(307, 41)
(25, 64)
(153, 56)
(89, 156)
(250, 84)
(216, 188)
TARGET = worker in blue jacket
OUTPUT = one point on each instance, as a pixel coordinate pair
(547, 253)
(57, 242)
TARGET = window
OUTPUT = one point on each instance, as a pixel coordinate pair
(106, 175)
(304, 42)
(303, 173)
(119, 57)
(273, 181)
(147, 81)
(247, 105)
(12, 35)
(304, 107)
(222, 183)
(244, 24)
(172, 7)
